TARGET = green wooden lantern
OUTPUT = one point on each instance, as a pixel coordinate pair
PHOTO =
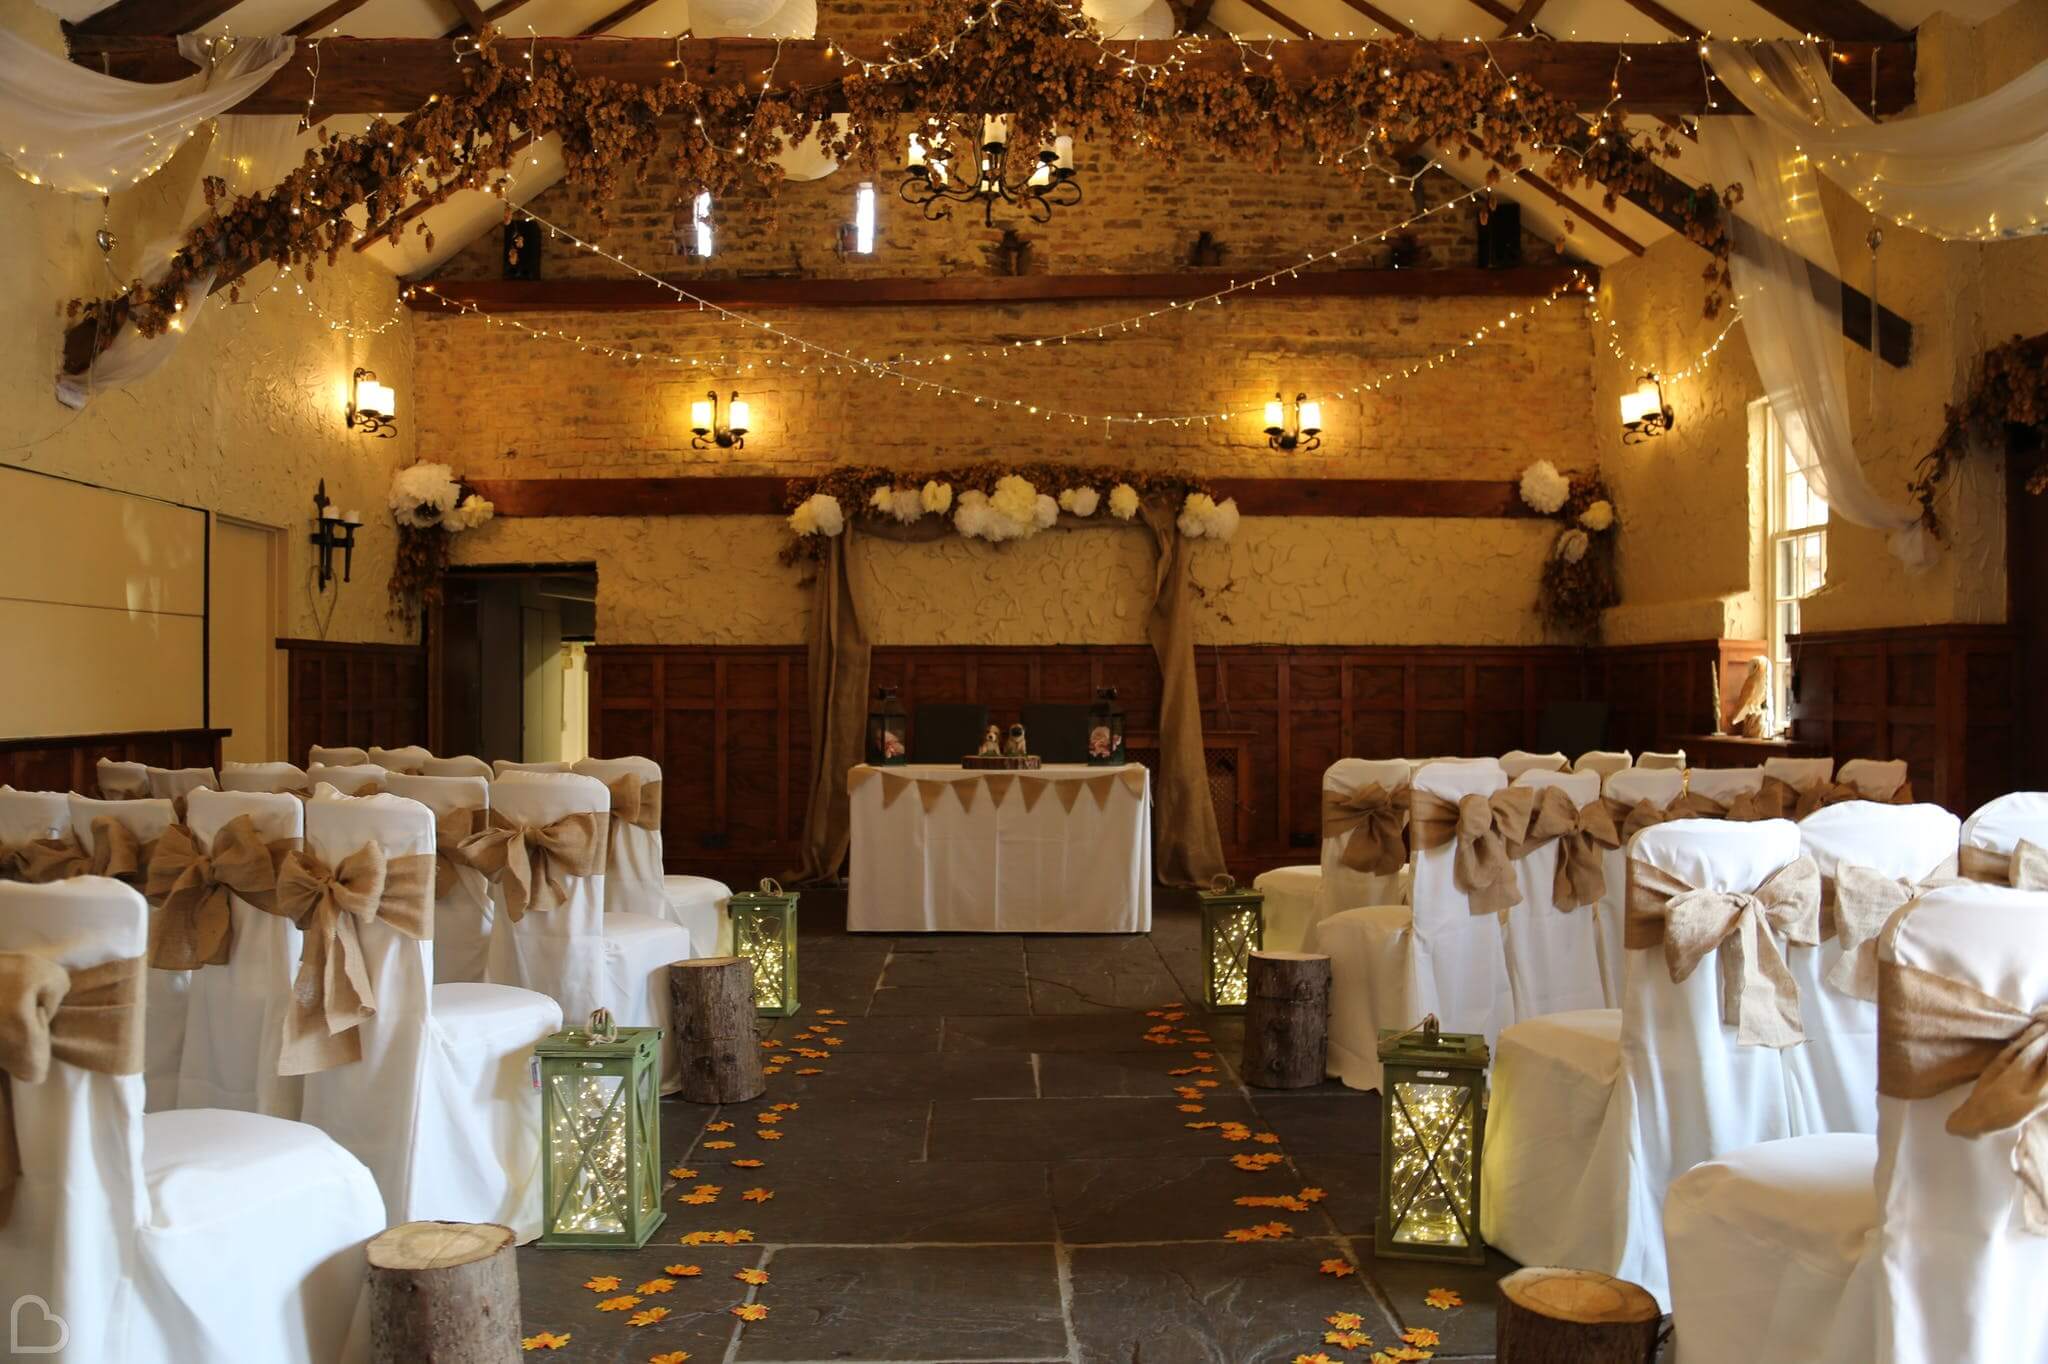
(600, 1135)
(764, 932)
(1233, 927)
(1433, 1096)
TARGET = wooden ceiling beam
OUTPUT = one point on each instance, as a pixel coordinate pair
(380, 75)
(326, 18)
(609, 295)
(1286, 24)
(617, 17)
(1380, 17)
(474, 18)
(1669, 20)
(1838, 19)
(152, 16)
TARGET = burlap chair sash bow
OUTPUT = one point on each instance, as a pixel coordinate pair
(333, 995)
(1372, 821)
(1820, 795)
(14, 860)
(1934, 1033)
(116, 852)
(89, 1018)
(1759, 997)
(1632, 817)
(191, 888)
(1855, 906)
(636, 801)
(1484, 828)
(2025, 868)
(536, 862)
(451, 829)
(1582, 849)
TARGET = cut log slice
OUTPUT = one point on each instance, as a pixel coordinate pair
(713, 1015)
(1575, 1316)
(443, 1291)
(1286, 1019)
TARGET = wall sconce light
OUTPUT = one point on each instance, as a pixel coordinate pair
(1306, 432)
(730, 434)
(1644, 413)
(372, 407)
(333, 530)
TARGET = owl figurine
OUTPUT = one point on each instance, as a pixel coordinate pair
(1013, 743)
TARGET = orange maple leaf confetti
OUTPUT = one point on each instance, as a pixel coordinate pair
(1317, 1358)
(1443, 1299)
(625, 1303)
(785, 1108)
(1266, 1138)
(682, 1271)
(656, 1286)
(768, 1134)
(647, 1318)
(1338, 1269)
(672, 1357)
(1204, 1055)
(749, 1164)
(1207, 1084)
(719, 1145)
(1288, 1202)
(750, 1311)
(758, 1195)
(682, 1172)
(1187, 1091)
(698, 1199)
(717, 1127)
(1200, 1126)
(1260, 1161)
(835, 1041)
(1421, 1335)
(810, 1070)
(1405, 1353)
(1192, 1108)
(1347, 1340)
(752, 1276)
(769, 1118)
(602, 1283)
(546, 1340)
(716, 1238)
(1345, 1321)
(1311, 1195)
(770, 1043)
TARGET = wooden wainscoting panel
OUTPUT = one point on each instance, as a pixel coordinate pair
(66, 762)
(354, 694)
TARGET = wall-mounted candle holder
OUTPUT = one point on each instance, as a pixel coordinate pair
(333, 530)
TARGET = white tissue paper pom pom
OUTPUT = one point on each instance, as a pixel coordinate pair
(971, 515)
(937, 497)
(906, 505)
(1195, 514)
(1223, 521)
(1014, 499)
(470, 513)
(1080, 501)
(804, 520)
(1571, 546)
(1045, 512)
(422, 495)
(1123, 501)
(880, 499)
(818, 514)
(1544, 488)
(1598, 517)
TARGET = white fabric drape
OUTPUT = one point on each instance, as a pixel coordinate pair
(76, 130)
(1792, 318)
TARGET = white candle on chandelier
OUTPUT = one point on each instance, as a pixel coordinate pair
(916, 152)
(1275, 416)
(995, 128)
(1063, 152)
(1311, 418)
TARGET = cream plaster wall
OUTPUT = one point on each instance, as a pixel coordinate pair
(715, 580)
(1690, 501)
(244, 419)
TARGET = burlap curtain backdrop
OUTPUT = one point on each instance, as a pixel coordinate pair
(1189, 846)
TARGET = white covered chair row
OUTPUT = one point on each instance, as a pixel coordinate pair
(118, 780)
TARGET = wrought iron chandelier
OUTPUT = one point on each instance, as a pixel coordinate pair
(1047, 184)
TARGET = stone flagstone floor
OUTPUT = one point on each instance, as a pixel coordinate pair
(988, 1161)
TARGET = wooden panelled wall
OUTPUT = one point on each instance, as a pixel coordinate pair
(67, 762)
(731, 731)
(357, 694)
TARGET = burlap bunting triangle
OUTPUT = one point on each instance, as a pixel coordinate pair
(859, 777)
(1070, 791)
(1034, 791)
(1134, 777)
(893, 786)
(930, 793)
(963, 791)
(1100, 787)
(999, 784)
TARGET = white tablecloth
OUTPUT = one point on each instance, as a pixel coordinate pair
(1065, 849)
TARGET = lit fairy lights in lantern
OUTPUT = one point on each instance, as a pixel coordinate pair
(764, 934)
(600, 1135)
(1431, 1119)
(1233, 927)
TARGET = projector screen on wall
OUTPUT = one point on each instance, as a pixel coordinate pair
(103, 605)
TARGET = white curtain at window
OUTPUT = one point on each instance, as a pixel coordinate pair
(76, 130)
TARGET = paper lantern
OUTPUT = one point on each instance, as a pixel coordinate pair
(1431, 1117)
(1233, 927)
(764, 933)
(1153, 19)
(810, 159)
(600, 1135)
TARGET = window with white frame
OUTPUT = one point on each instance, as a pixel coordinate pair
(1798, 546)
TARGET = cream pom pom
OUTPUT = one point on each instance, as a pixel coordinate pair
(1045, 511)
(818, 514)
(1598, 517)
(1223, 523)
(1080, 501)
(1544, 488)
(937, 497)
(1571, 546)
(470, 513)
(971, 516)
(882, 499)
(423, 494)
(1123, 501)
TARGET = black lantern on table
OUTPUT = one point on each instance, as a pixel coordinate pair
(888, 730)
(1105, 730)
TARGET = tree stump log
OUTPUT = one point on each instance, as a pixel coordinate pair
(1286, 1019)
(444, 1293)
(713, 1016)
(1575, 1316)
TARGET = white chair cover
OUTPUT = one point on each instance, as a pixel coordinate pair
(439, 1107)
(1800, 772)
(1875, 779)
(1565, 1187)
(1292, 895)
(318, 756)
(1659, 762)
(1516, 761)
(505, 765)
(1833, 1077)
(1723, 784)
(169, 991)
(170, 783)
(235, 1020)
(285, 777)
(176, 1236)
(462, 916)
(119, 780)
(1659, 786)
(1462, 954)
(348, 780)
(412, 758)
(632, 868)
(1997, 825)
(1605, 762)
(576, 953)
(1898, 1250)
(699, 904)
(27, 816)
(1340, 887)
(460, 766)
(1553, 955)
